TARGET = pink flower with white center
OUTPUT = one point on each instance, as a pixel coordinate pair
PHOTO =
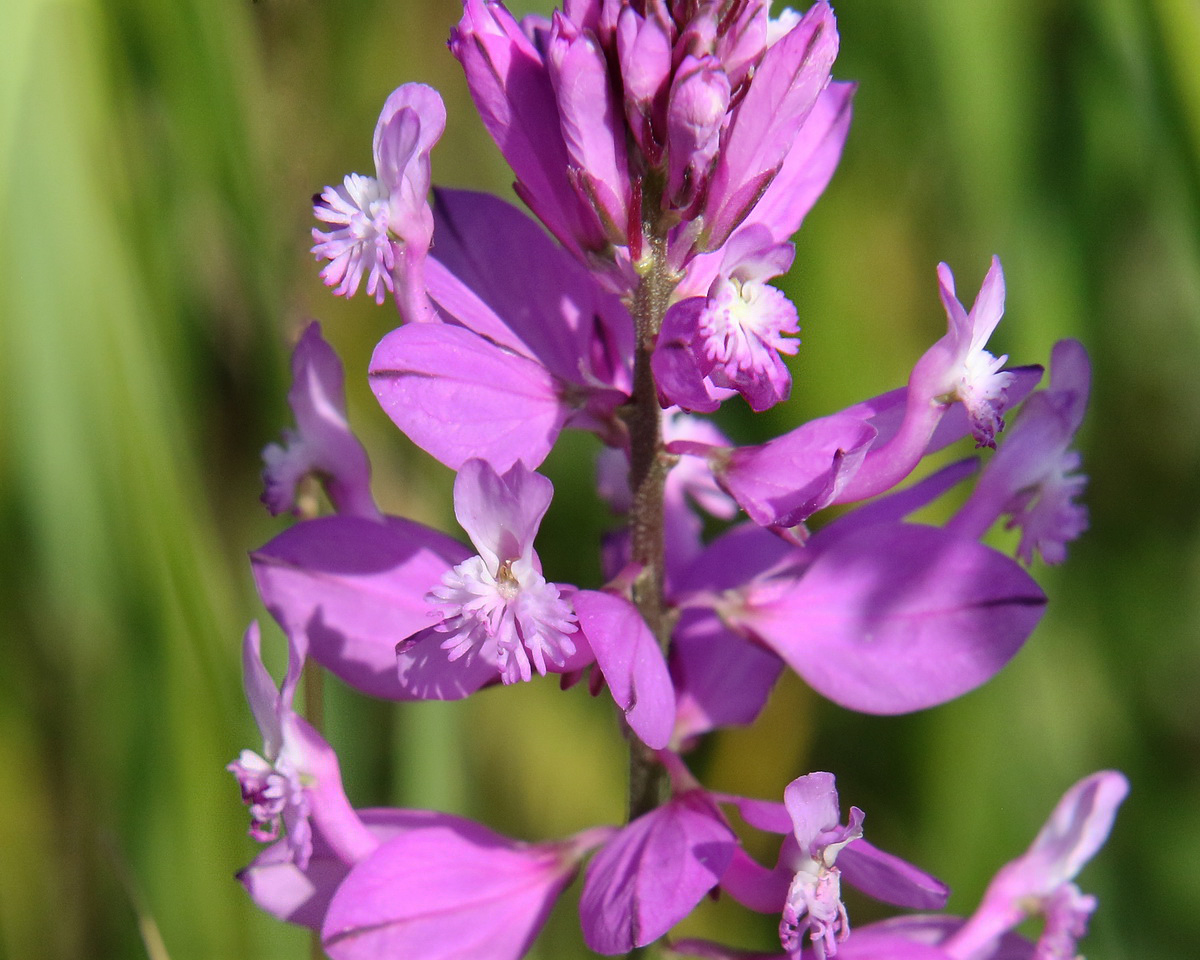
(743, 326)
(322, 443)
(1041, 881)
(497, 605)
(976, 377)
(383, 224)
(731, 338)
(1033, 477)
(273, 785)
(814, 899)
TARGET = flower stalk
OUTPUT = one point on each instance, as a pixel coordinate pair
(649, 465)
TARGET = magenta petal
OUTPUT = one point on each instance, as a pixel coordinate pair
(894, 507)
(678, 374)
(512, 90)
(323, 442)
(736, 556)
(501, 513)
(899, 617)
(281, 888)
(457, 396)
(550, 306)
(652, 873)
(436, 894)
(592, 129)
(632, 664)
(868, 943)
(889, 879)
(721, 679)
(261, 694)
(754, 886)
(809, 164)
(1075, 832)
(355, 587)
(812, 804)
(785, 481)
(408, 169)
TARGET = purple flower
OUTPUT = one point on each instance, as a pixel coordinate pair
(382, 224)
(814, 898)
(296, 778)
(450, 890)
(731, 339)
(1032, 476)
(497, 606)
(353, 588)
(322, 443)
(529, 345)
(1039, 882)
(653, 872)
(713, 108)
(955, 369)
(805, 884)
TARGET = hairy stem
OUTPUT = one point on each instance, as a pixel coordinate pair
(648, 468)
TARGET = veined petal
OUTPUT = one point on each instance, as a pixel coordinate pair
(897, 618)
(651, 874)
(788, 81)
(511, 88)
(592, 129)
(632, 664)
(501, 512)
(323, 443)
(889, 879)
(437, 894)
(354, 587)
(458, 396)
(808, 166)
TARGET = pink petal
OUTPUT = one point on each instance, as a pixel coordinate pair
(652, 873)
(889, 879)
(548, 306)
(436, 894)
(632, 664)
(785, 481)
(898, 618)
(354, 588)
(501, 513)
(457, 396)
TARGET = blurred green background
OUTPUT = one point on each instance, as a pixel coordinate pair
(158, 160)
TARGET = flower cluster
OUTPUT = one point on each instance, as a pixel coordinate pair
(670, 148)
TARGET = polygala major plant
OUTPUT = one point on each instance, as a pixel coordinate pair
(670, 149)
